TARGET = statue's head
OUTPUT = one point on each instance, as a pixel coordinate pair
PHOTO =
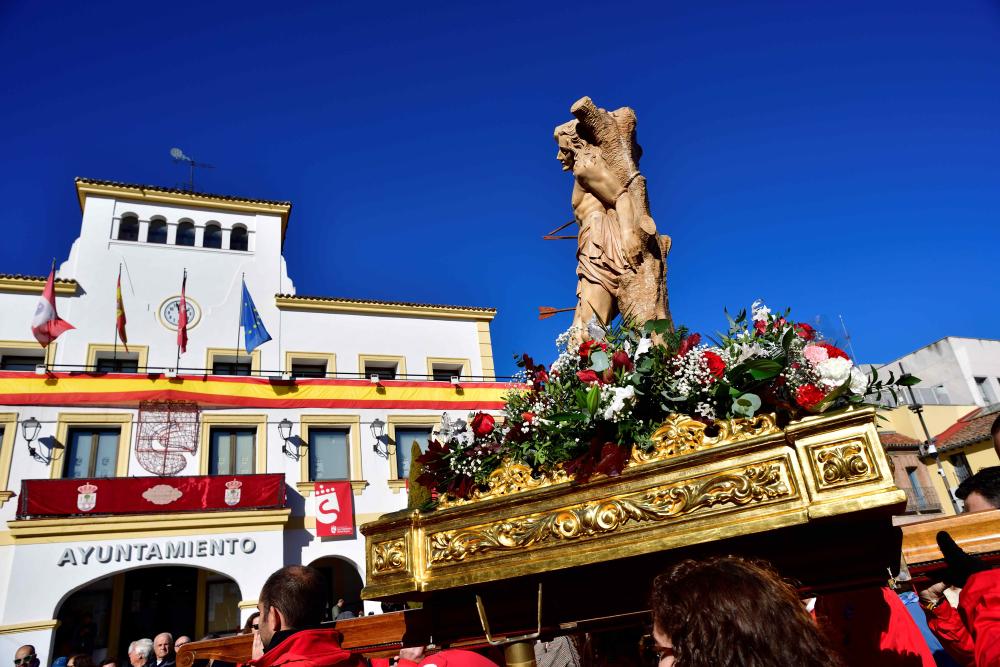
(569, 143)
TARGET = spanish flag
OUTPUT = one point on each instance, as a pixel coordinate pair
(120, 312)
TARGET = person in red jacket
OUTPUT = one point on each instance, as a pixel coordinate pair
(971, 634)
(414, 657)
(291, 606)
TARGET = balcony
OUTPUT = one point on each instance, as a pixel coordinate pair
(124, 496)
(921, 500)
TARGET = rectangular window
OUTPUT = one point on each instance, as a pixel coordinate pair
(91, 452)
(20, 362)
(112, 365)
(963, 470)
(384, 370)
(231, 451)
(329, 456)
(986, 390)
(405, 437)
(311, 369)
(222, 605)
(230, 368)
(444, 372)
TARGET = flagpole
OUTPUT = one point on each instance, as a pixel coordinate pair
(117, 287)
(177, 365)
(52, 272)
(239, 321)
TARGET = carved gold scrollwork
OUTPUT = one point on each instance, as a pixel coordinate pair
(843, 463)
(680, 434)
(752, 484)
(389, 556)
(510, 477)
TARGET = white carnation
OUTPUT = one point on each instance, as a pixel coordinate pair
(619, 397)
(834, 372)
(645, 343)
(859, 381)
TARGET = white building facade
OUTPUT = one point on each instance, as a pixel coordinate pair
(341, 381)
(953, 371)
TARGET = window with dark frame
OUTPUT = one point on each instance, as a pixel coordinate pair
(329, 454)
(157, 231)
(185, 234)
(128, 228)
(444, 372)
(309, 369)
(213, 236)
(405, 436)
(91, 452)
(231, 367)
(232, 451)
(238, 238)
(20, 362)
(384, 370)
(112, 365)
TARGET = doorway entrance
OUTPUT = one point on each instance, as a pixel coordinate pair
(343, 581)
(105, 616)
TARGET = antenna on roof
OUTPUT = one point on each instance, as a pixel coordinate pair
(179, 156)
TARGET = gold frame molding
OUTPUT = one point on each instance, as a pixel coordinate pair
(376, 358)
(466, 365)
(212, 352)
(8, 422)
(35, 285)
(30, 626)
(33, 346)
(67, 420)
(485, 350)
(395, 421)
(93, 349)
(329, 357)
(329, 304)
(353, 423)
(236, 420)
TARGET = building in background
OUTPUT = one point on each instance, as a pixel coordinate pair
(954, 405)
(143, 490)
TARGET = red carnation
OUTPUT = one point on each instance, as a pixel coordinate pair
(587, 376)
(808, 396)
(760, 326)
(588, 346)
(832, 351)
(688, 344)
(804, 331)
(528, 416)
(482, 424)
(620, 359)
(716, 366)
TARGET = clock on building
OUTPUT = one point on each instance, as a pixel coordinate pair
(170, 312)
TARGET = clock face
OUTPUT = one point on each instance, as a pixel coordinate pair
(170, 312)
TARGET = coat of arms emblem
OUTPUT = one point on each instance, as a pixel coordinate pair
(233, 492)
(87, 498)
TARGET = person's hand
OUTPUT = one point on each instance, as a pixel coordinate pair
(931, 596)
(415, 654)
(258, 646)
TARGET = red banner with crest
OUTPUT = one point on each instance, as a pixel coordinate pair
(150, 495)
(334, 509)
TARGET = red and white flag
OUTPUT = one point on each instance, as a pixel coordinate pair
(46, 325)
(182, 317)
(334, 509)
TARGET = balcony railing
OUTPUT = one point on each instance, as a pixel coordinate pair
(921, 500)
(149, 495)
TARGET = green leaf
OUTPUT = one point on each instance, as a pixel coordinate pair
(593, 400)
(599, 361)
(657, 326)
(763, 369)
(907, 380)
(568, 417)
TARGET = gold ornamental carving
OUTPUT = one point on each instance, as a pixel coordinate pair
(510, 477)
(680, 434)
(389, 556)
(752, 484)
(841, 463)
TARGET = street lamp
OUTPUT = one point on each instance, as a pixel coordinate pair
(285, 431)
(29, 429)
(381, 446)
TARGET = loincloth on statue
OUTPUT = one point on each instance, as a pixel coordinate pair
(599, 255)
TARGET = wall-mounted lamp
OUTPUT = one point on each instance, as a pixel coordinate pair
(374, 378)
(285, 431)
(381, 445)
(29, 429)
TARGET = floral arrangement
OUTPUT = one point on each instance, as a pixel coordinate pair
(609, 393)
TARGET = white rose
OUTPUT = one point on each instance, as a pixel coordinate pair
(643, 347)
(859, 381)
(619, 397)
(834, 372)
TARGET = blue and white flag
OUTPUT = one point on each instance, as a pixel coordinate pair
(254, 332)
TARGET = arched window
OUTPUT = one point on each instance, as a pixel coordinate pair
(157, 231)
(213, 236)
(128, 228)
(185, 233)
(238, 238)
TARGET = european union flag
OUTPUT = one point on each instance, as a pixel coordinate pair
(254, 332)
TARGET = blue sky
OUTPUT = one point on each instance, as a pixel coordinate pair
(841, 158)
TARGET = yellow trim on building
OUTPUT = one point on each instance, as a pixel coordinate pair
(28, 285)
(329, 358)
(29, 626)
(93, 349)
(449, 361)
(486, 350)
(285, 302)
(186, 199)
(213, 352)
(236, 420)
(394, 422)
(8, 422)
(353, 424)
(66, 420)
(31, 346)
(382, 359)
(196, 524)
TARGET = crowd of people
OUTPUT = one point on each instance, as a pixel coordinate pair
(721, 611)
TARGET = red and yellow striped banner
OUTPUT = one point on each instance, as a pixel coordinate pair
(124, 389)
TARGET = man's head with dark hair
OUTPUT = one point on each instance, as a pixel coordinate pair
(981, 491)
(995, 434)
(292, 598)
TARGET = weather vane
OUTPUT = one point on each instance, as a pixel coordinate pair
(178, 156)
